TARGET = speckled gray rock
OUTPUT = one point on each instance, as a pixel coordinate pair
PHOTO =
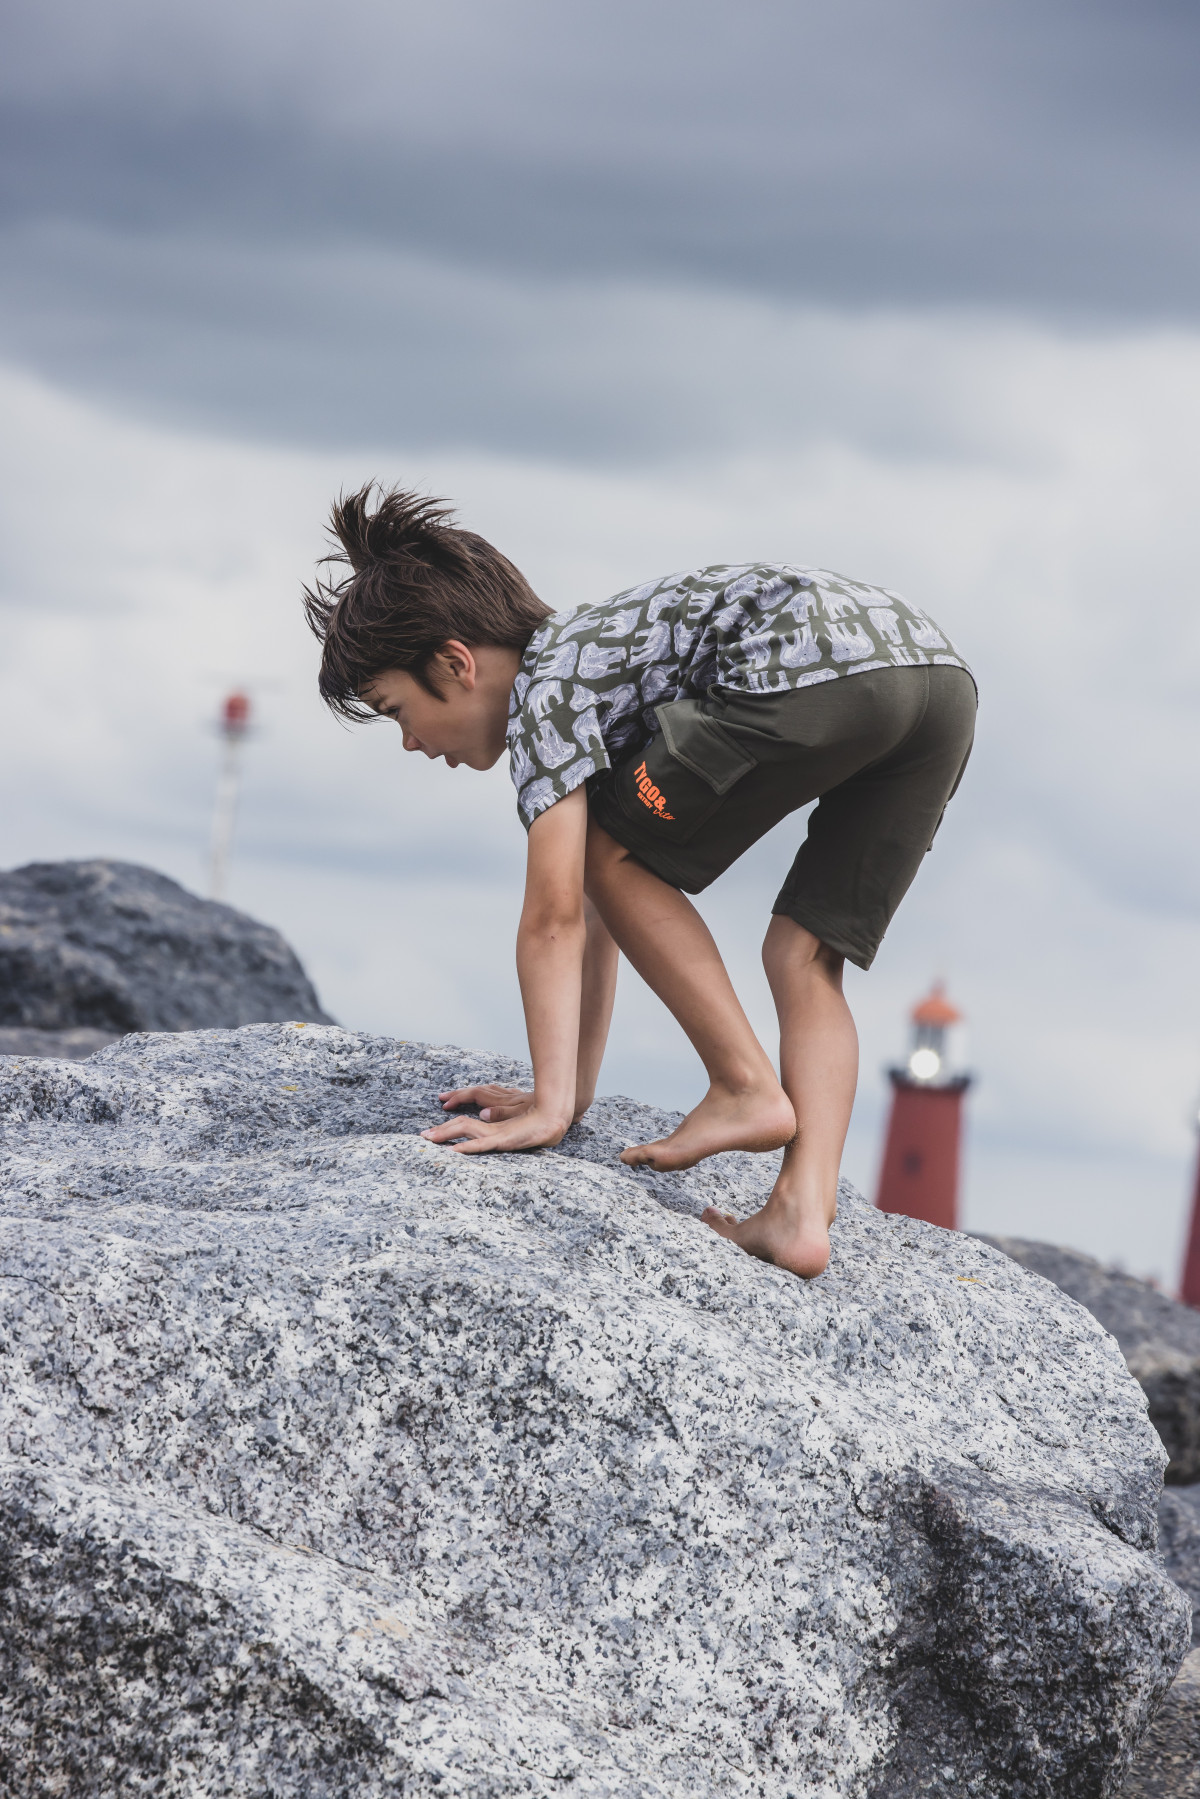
(1160, 1340)
(339, 1464)
(111, 947)
(1168, 1761)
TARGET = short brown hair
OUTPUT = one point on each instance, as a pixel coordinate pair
(415, 581)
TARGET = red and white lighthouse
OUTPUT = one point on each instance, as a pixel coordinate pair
(1189, 1286)
(921, 1152)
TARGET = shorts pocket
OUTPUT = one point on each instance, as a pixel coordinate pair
(671, 788)
(703, 745)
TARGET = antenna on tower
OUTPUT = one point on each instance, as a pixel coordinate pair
(232, 726)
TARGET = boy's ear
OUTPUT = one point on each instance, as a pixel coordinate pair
(458, 663)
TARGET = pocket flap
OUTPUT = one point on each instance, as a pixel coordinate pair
(703, 745)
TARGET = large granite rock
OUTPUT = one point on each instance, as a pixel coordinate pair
(1159, 1338)
(111, 947)
(335, 1463)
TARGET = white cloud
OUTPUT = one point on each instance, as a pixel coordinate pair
(1031, 488)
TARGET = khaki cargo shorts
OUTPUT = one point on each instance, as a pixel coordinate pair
(882, 752)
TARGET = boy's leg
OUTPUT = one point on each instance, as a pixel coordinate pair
(818, 1049)
(667, 941)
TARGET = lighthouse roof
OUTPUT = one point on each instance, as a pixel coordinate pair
(935, 1008)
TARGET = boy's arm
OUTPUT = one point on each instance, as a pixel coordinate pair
(599, 991)
(600, 959)
(550, 949)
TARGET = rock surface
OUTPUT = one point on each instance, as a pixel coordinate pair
(1159, 1339)
(339, 1464)
(110, 947)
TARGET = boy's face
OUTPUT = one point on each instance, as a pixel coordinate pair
(468, 723)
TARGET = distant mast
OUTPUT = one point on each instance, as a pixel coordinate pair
(233, 725)
(1189, 1286)
(921, 1154)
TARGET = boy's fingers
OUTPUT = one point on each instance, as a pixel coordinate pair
(501, 1139)
(491, 1093)
(475, 1136)
(457, 1127)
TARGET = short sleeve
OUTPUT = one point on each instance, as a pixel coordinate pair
(554, 743)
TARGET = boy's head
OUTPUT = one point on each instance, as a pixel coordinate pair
(415, 586)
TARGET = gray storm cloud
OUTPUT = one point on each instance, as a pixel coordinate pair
(1019, 153)
(353, 225)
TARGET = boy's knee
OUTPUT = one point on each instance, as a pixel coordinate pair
(791, 942)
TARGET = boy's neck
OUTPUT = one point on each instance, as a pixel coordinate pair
(496, 669)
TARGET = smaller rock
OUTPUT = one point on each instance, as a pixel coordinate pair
(1167, 1765)
(110, 948)
(59, 1046)
(1159, 1339)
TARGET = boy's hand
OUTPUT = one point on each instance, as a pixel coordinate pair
(495, 1103)
(474, 1136)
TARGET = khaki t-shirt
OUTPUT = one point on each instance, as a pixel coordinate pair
(590, 680)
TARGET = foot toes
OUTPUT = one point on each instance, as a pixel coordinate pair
(641, 1155)
(724, 1223)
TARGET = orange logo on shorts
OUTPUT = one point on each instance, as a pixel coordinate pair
(649, 795)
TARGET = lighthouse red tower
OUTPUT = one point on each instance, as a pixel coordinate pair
(919, 1177)
(1189, 1286)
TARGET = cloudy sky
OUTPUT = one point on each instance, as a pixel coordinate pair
(911, 292)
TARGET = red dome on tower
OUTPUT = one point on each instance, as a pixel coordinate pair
(235, 715)
(935, 1008)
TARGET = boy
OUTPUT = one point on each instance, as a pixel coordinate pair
(653, 738)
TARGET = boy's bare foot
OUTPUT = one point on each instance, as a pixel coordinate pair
(785, 1232)
(759, 1119)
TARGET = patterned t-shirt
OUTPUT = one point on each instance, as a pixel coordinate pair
(590, 680)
